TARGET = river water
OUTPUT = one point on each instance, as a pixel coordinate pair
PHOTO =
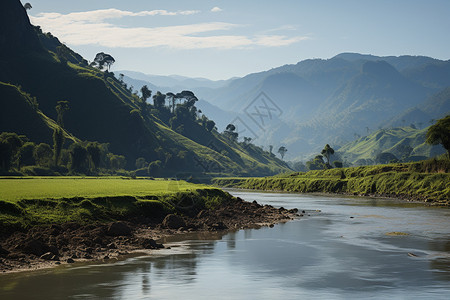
(343, 248)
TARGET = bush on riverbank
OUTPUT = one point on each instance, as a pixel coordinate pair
(426, 181)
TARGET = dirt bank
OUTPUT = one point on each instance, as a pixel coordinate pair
(52, 245)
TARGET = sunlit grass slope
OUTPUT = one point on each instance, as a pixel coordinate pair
(427, 181)
(26, 202)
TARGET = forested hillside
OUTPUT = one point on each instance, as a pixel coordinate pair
(46, 88)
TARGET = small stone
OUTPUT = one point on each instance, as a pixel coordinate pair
(106, 257)
(70, 261)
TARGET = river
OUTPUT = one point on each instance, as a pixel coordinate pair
(343, 248)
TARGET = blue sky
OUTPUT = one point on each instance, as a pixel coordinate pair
(223, 39)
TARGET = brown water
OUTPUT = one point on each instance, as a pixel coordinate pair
(342, 252)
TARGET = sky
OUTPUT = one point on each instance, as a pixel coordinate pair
(220, 39)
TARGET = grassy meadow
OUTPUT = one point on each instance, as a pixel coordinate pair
(426, 181)
(32, 201)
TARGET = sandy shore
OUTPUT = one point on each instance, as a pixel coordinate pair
(53, 245)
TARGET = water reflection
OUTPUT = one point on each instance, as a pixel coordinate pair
(341, 252)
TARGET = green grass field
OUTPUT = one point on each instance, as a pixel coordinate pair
(26, 202)
(75, 187)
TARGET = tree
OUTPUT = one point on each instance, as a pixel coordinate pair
(94, 151)
(103, 59)
(159, 100)
(141, 163)
(270, 149)
(58, 142)
(43, 155)
(28, 6)
(247, 140)
(25, 155)
(230, 132)
(61, 107)
(439, 133)
(117, 162)
(282, 151)
(9, 145)
(188, 96)
(78, 158)
(327, 152)
(146, 93)
(172, 98)
(316, 164)
(210, 124)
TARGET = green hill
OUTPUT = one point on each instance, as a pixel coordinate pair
(395, 140)
(102, 108)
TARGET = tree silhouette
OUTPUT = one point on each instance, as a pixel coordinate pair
(210, 124)
(172, 98)
(282, 150)
(28, 6)
(61, 107)
(230, 132)
(327, 152)
(58, 142)
(103, 59)
(146, 93)
(159, 100)
(439, 133)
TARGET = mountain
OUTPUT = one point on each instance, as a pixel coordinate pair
(37, 71)
(174, 82)
(331, 101)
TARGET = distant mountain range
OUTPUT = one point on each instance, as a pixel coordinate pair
(328, 101)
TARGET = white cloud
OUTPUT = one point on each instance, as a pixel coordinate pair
(90, 28)
(216, 9)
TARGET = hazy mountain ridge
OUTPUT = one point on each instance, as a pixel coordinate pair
(333, 100)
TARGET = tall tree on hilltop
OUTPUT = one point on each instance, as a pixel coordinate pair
(230, 132)
(146, 93)
(27, 6)
(103, 59)
(172, 98)
(282, 150)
